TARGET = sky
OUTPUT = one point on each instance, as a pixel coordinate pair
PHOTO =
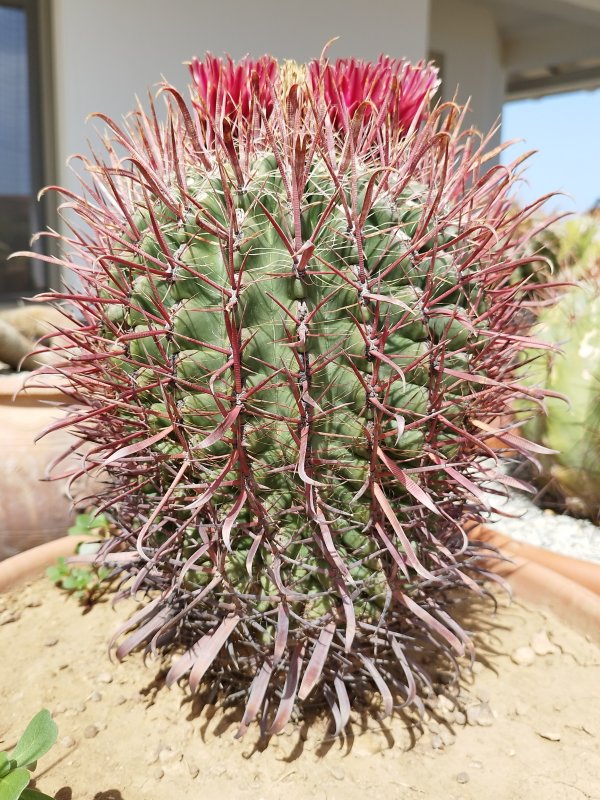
(565, 130)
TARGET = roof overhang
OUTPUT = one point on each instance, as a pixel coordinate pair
(549, 46)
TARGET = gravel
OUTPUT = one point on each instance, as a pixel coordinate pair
(561, 533)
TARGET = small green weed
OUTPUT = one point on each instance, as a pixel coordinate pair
(85, 582)
(15, 769)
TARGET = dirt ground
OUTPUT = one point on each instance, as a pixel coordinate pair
(531, 728)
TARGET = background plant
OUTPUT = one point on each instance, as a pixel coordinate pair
(295, 322)
(16, 767)
(569, 478)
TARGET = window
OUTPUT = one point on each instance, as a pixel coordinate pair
(21, 144)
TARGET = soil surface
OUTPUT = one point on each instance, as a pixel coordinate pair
(530, 727)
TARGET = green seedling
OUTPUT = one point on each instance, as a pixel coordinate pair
(83, 581)
(16, 767)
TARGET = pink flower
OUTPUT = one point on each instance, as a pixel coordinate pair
(397, 86)
(225, 87)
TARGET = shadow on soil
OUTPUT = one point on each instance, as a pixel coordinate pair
(221, 716)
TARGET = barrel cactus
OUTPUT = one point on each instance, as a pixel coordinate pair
(570, 476)
(292, 326)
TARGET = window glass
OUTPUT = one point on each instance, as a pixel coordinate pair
(17, 192)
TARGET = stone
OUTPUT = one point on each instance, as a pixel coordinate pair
(67, 741)
(486, 715)
(462, 777)
(167, 755)
(541, 644)
(193, 769)
(523, 656)
(51, 642)
(6, 617)
(90, 731)
(104, 677)
(95, 697)
(157, 773)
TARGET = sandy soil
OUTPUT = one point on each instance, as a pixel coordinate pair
(532, 726)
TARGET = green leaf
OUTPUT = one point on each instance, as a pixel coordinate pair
(34, 794)
(38, 738)
(12, 785)
(5, 765)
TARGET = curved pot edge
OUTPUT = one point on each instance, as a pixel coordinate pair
(29, 563)
(584, 573)
(544, 586)
(531, 581)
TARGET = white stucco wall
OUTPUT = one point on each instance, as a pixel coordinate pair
(467, 36)
(106, 51)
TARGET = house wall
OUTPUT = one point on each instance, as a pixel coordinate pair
(106, 51)
(466, 35)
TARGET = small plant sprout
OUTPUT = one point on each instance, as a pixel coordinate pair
(16, 767)
(83, 581)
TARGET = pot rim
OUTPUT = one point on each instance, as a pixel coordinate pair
(532, 582)
(584, 573)
(14, 388)
(29, 564)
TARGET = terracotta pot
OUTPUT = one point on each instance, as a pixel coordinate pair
(32, 511)
(585, 573)
(567, 586)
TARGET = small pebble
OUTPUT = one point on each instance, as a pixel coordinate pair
(95, 697)
(67, 741)
(523, 656)
(104, 677)
(193, 769)
(120, 700)
(485, 717)
(521, 709)
(152, 756)
(462, 777)
(6, 617)
(167, 755)
(551, 736)
(445, 703)
(511, 752)
(157, 773)
(460, 718)
(476, 764)
(33, 602)
(51, 642)
(90, 731)
(437, 742)
(59, 708)
(337, 774)
(541, 644)
(447, 738)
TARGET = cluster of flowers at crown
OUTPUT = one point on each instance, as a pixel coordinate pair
(394, 90)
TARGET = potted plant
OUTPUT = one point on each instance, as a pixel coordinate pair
(297, 320)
